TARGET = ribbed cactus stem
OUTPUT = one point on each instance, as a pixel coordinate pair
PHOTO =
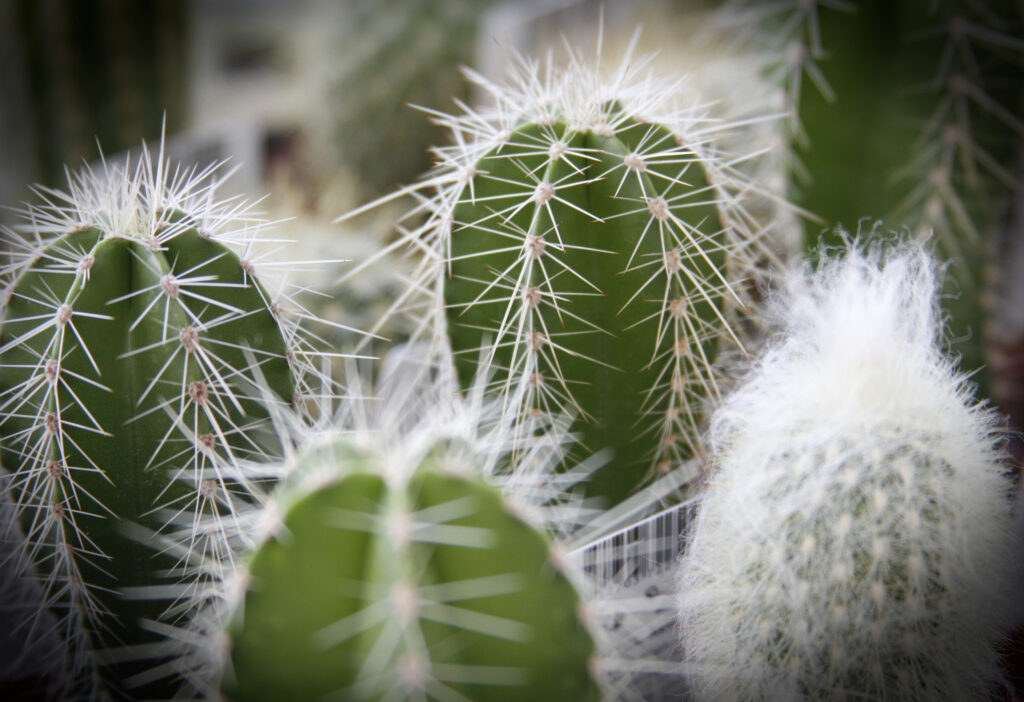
(132, 340)
(389, 584)
(590, 236)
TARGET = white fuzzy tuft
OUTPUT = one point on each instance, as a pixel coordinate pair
(852, 543)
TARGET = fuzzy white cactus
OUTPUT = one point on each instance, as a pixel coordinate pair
(852, 543)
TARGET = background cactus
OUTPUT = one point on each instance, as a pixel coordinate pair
(110, 70)
(387, 56)
(133, 335)
(853, 540)
(588, 232)
(907, 112)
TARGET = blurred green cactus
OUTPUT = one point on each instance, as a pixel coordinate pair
(905, 112)
(394, 54)
(112, 70)
(380, 584)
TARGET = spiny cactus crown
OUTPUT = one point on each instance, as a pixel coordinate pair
(134, 336)
(401, 488)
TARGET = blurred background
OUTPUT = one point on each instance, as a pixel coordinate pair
(309, 101)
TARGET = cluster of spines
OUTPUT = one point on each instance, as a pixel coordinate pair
(192, 384)
(528, 282)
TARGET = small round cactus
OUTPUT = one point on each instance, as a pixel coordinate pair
(589, 233)
(133, 337)
(853, 540)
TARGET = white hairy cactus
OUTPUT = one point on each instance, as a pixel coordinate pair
(852, 543)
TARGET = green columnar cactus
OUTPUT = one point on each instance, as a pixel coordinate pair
(112, 70)
(913, 118)
(133, 335)
(588, 233)
(928, 97)
(390, 54)
(384, 585)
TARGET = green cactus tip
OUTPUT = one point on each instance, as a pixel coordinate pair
(389, 566)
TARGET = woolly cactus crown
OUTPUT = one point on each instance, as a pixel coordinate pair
(867, 326)
(853, 538)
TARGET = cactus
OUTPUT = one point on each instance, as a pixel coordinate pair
(113, 71)
(392, 501)
(133, 336)
(913, 117)
(386, 56)
(589, 233)
(854, 538)
(436, 591)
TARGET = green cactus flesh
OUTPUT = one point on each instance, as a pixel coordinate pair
(593, 258)
(111, 386)
(428, 589)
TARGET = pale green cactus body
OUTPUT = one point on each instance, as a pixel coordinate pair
(379, 585)
(131, 343)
